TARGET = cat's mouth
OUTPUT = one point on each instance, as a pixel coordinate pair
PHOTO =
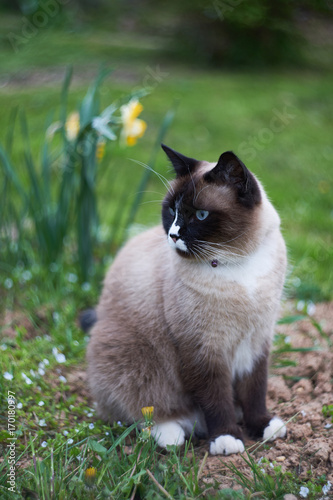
(184, 253)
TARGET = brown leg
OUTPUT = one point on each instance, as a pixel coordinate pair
(211, 390)
(250, 392)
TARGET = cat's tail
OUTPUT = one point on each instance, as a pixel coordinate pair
(87, 319)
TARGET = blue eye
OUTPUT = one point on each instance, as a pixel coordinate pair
(201, 214)
(172, 212)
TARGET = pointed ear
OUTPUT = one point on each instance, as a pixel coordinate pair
(182, 164)
(231, 171)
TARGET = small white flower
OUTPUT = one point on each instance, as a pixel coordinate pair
(8, 283)
(32, 373)
(311, 308)
(41, 403)
(303, 413)
(326, 488)
(304, 491)
(260, 460)
(328, 426)
(26, 379)
(300, 305)
(56, 316)
(71, 407)
(91, 426)
(41, 372)
(26, 275)
(19, 406)
(46, 362)
(62, 379)
(287, 339)
(65, 433)
(86, 286)
(119, 423)
(44, 444)
(54, 267)
(263, 471)
(47, 337)
(271, 465)
(3, 347)
(107, 433)
(42, 422)
(71, 277)
(89, 414)
(76, 343)
(70, 441)
(77, 430)
(8, 376)
(60, 358)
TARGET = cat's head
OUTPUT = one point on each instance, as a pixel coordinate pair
(211, 211)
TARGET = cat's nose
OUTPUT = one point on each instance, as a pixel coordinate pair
(174, 237)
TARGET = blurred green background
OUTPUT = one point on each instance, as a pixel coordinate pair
(255, 77)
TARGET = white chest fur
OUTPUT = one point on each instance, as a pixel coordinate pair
(230, 310)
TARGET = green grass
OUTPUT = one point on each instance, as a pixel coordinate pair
(235, 112)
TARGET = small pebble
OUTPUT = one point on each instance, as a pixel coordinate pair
(280, 459)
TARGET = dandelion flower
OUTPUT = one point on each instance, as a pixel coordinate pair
(133, 127)
(147, 412)
(90, 477)
(72, 126)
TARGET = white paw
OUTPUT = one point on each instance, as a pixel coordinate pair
(168, 433)
(226, 445)
(275, 429)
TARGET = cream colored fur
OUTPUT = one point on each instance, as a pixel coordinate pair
(153, 299)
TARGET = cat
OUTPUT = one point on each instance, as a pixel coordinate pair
(187, 312)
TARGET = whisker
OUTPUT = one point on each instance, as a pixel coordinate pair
(163, 179)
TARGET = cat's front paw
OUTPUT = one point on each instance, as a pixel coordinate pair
(168, 433)
(226, 445)
(275, 429)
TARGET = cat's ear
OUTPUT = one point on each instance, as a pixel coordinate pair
(182, 164)
(231, 171)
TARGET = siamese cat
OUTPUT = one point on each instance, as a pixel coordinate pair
(187, 313)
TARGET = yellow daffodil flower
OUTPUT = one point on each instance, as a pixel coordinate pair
(133, 127)
(72, 126)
